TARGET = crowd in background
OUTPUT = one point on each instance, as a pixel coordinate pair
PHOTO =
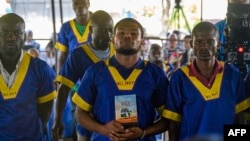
(176, 50)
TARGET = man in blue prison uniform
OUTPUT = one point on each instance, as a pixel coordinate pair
(70, 38)
(107, 85)
(81, 58)
(73, 69)
(72, 34)
(26, 85)
(193, 103)
(148, 83)
(200, 104)
(33, 86)
(76, 31)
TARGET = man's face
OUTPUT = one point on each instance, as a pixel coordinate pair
(173, 41)
(127, 38)
(81, 7)
(205, 45)
(102, 34)
(156, 54)
(12, 37)
(29, 36)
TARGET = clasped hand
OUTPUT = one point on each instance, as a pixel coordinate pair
(116, 132)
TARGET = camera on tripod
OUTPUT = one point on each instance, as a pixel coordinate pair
(177, 3)
(237, 32)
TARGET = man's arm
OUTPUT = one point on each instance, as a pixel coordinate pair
(61, 99)
(158, 127)
(57, 128)
(85, 119)
(174, 130)
(62, 56)
(44, 111)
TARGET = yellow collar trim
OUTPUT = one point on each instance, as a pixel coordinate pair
(79, 37)
(121, 83)
(207, 94)
(10, 93)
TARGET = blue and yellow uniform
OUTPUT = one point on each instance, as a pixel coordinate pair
(201, 110)
(33, 84)
(75, 66)
(107, 79)
(69, 37)
(77, 63)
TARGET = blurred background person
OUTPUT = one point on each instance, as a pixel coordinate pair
(186, 57)
(30, 42)
(49, 56)
(171, 46)
(156, 56)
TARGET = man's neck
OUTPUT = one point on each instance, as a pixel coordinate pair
(93, 46)
(82, 20)
(206, 68)
(127, 60)
(9, 63)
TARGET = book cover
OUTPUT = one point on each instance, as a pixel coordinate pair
(126, 110)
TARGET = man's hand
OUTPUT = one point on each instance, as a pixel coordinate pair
(112, 129)
(57, 130)
(129, 134)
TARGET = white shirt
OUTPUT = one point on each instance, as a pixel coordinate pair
(9, 79)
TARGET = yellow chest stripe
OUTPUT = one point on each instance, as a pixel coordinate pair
(207, 94)
(122, 84)
(79, 37)
(9, 93)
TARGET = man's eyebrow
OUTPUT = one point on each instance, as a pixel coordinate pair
(124, 28)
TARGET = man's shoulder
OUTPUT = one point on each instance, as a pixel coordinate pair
(38, 61)
(99, 64)
(67, 23)
(97, 67)
(80, 48)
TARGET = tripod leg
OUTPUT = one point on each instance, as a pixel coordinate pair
(185, 20)
(172, 18)
(178, 19)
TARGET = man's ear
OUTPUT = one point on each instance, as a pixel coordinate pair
(25, 36)
(91, 29)
(143, 42)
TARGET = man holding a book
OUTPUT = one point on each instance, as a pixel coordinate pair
(123, 81)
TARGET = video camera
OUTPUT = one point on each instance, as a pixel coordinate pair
(237, 32)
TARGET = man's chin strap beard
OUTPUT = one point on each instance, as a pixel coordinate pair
(127, 51)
